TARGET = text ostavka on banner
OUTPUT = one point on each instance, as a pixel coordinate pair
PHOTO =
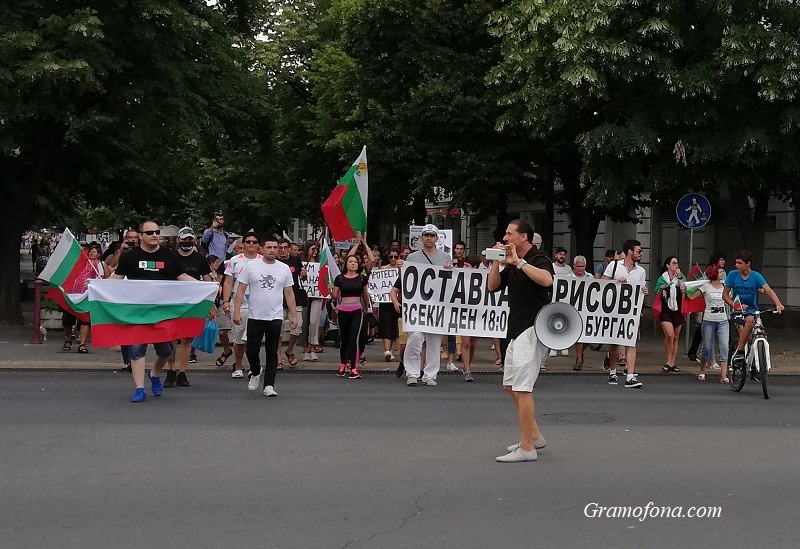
(610, 310)
(451, 301)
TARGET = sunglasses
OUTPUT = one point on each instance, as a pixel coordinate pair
(151, 233)
(393, 256)
(251, 241)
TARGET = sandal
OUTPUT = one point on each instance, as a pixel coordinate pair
(701, 377)
(223, 358)
(280, 365)
(665, 368)
(318, 349)
(498, 362)
(724, 380)
(292, 359)
(542, 369)
(674, 369)
(82, 349)
(577, 367)
(67, 346)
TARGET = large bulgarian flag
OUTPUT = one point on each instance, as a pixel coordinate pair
(328, 269)
(130, 312)
(66, 263)
(345, 210)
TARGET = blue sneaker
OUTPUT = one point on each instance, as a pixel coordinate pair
(155, 385)
(139, 395)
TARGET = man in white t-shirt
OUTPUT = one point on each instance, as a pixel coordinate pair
(233, 269)
(628, 271)
(560, 265)
(268, 282)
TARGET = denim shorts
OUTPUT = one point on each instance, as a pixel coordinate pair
(163, 350)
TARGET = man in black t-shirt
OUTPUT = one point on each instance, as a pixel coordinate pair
(300, 298)
(197, 267)
(149, 261)
(528, 275)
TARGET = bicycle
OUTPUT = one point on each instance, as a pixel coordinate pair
(756, 354)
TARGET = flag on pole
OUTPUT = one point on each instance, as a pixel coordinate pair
(328, 269)
(698, 304)
(130, 312)
(345, 210)
(65, 272)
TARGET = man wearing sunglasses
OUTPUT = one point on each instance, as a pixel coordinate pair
(149, 261)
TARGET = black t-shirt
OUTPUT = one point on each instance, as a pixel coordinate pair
(350, 287)
(163, 264)
(195, 265)
(295, 266)
(525, 297)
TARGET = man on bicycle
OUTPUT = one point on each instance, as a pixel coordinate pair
(746, 284)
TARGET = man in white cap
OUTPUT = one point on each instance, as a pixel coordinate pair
(427, 255)
(196, 266)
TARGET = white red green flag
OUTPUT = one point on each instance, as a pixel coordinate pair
(64, 272)
(345, 210)
(328, 269)
(130, 312)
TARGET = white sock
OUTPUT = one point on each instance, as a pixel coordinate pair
(612, 372)
(630, 377)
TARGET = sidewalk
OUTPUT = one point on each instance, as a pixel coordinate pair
(16, 353)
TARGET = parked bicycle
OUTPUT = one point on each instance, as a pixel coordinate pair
(756, 355)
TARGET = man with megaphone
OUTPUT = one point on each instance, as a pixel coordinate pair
(528, 275)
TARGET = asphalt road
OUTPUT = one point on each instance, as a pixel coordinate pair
(372, 463)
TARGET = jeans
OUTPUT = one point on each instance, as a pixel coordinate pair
(268, 331)
(451, 345)
(126, 354)
(715, 332)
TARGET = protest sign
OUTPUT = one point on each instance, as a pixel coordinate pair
(310, 283)
(610, 310)
(445, 242)
(451, 302)
(380, 284)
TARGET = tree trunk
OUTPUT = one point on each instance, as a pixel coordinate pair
(752, 225)
(10, 306)
(584, 223)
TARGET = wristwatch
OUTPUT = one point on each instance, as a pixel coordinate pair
(521, 263)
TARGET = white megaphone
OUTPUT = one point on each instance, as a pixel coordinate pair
(558, 326)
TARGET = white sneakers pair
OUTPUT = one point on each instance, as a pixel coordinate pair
(425, 381)
(310, 357)
(564, 352)
(255, 381)
(516, 454)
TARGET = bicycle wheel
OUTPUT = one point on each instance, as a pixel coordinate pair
(736, 369)
(762, 362)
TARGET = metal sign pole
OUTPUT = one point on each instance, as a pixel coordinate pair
(689, 316)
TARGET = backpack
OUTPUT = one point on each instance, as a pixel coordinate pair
(40, 264)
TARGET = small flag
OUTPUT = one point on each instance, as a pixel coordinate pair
(328, 269)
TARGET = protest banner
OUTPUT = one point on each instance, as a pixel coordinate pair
(451, 302)
(310, 283)
(610, 310)
(445, 242)
(380, 284)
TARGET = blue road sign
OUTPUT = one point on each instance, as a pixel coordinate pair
(693, 211)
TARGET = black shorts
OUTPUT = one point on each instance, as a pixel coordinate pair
(387, 321)
(675, 318)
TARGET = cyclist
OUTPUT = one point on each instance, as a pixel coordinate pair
(745, 284)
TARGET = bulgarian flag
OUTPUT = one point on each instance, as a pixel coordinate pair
(345, 210)
(328, 269)
(130, 312)
(66, 263)
(698, 304)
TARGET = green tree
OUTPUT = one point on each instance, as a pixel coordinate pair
(149, 106)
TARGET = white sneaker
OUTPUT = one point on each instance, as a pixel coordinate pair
(537, 445)
(452, 367)
(518, 455)
(269, 391)
(312, 356)
(553, 353)
(387, 356)
(306, 357)
(411, 381)
(715, 366)
(253, 382)
(237, 374)
(565, 352)
(429, 382)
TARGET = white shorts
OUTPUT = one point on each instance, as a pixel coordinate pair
(287, 326)
(239, 331)
(523, 358)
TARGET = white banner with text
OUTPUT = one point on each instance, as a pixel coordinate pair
(451, 302)
(610, 310)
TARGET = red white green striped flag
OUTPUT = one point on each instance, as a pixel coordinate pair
(130, 312)
(328, 269)
(345, 210)
(696, 305)
(62, 271)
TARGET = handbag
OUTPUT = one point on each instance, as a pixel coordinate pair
(372, 322)
(207, 340)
